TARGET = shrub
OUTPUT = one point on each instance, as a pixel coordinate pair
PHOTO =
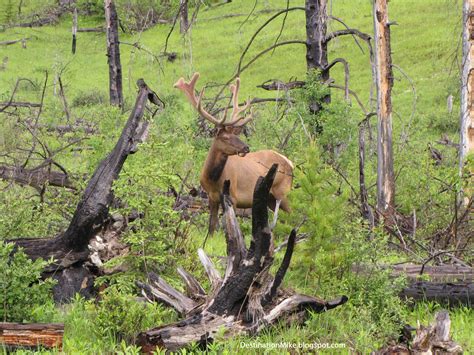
(22, 289)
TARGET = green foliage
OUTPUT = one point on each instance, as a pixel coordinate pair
(118, 315)
(317, 200)
(21, 286)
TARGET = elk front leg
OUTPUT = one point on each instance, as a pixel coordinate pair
(213, 216)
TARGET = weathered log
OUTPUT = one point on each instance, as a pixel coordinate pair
(446, 284)
(33, 335)
(91, 29)
(452, 293)
(249, 298)
(36, 178)
(70, 248)
(22, 41)
(20, 104)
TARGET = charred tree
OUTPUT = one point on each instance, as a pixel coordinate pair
(183, 16)
(246, 299)
(113, 54)
(317, 46)
(384, 81)
(467, 87)
(70, 248)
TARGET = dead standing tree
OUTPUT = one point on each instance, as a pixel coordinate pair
(183, 16)
(113, 55)
(384, 83)
(467, 87)
(247, 299)
(69, 249)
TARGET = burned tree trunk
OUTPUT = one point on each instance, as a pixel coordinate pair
(183, 16)
(467, 87)
(246, 299)
(70, 249)
(317, 46)
(384, 80)
(113, 54)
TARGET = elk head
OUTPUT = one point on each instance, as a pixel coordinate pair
(226, 138)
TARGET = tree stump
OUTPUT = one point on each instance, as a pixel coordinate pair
(246, 299)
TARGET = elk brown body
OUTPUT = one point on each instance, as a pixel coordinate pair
(229, 158)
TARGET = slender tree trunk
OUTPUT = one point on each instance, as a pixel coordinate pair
(467, 85)
(113, 54)
(183, 16)
(316, 51)
(74, 30)
(384, 80)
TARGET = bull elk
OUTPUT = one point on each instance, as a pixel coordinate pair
(230, 159)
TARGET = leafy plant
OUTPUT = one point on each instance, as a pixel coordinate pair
(21, 286)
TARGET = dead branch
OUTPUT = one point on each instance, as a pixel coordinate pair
(22, 41)
(248, 299)
(70, 248)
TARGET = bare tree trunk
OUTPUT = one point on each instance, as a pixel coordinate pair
(74, 30)
(69, 249)
(467, 85)
(384, 79)
(113, 54)
(316, 50)
(183, 16)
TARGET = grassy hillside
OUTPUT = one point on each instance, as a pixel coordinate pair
(426, 51)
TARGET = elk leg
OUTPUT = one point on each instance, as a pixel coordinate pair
(213, 216)
(275, 214)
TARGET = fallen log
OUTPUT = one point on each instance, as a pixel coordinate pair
(33, 335)
(452, 293)
(246, 299)
(22, 41)
(36, 178)
(70, 248)
(447, 284)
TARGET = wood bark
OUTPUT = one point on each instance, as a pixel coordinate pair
(447, 284)
(74, 30)
(384, 81)
(113, 54)
(316, 49)
(246, 300)
(17, 335)
(466, 140)
(36, 178)
(70, 248)
(183, 16)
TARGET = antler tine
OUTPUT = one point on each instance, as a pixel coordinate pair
(236, 109)
(189, 90)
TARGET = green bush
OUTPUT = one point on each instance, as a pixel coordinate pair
(21, 286)
(119, 315)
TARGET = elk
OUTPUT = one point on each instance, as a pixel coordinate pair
(230, 159)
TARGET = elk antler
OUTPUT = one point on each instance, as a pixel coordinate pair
(236, 120)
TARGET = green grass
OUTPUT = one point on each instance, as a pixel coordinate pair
(425, 45)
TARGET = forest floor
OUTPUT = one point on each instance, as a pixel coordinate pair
(426, 50)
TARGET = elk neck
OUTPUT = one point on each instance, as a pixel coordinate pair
(215, 163)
